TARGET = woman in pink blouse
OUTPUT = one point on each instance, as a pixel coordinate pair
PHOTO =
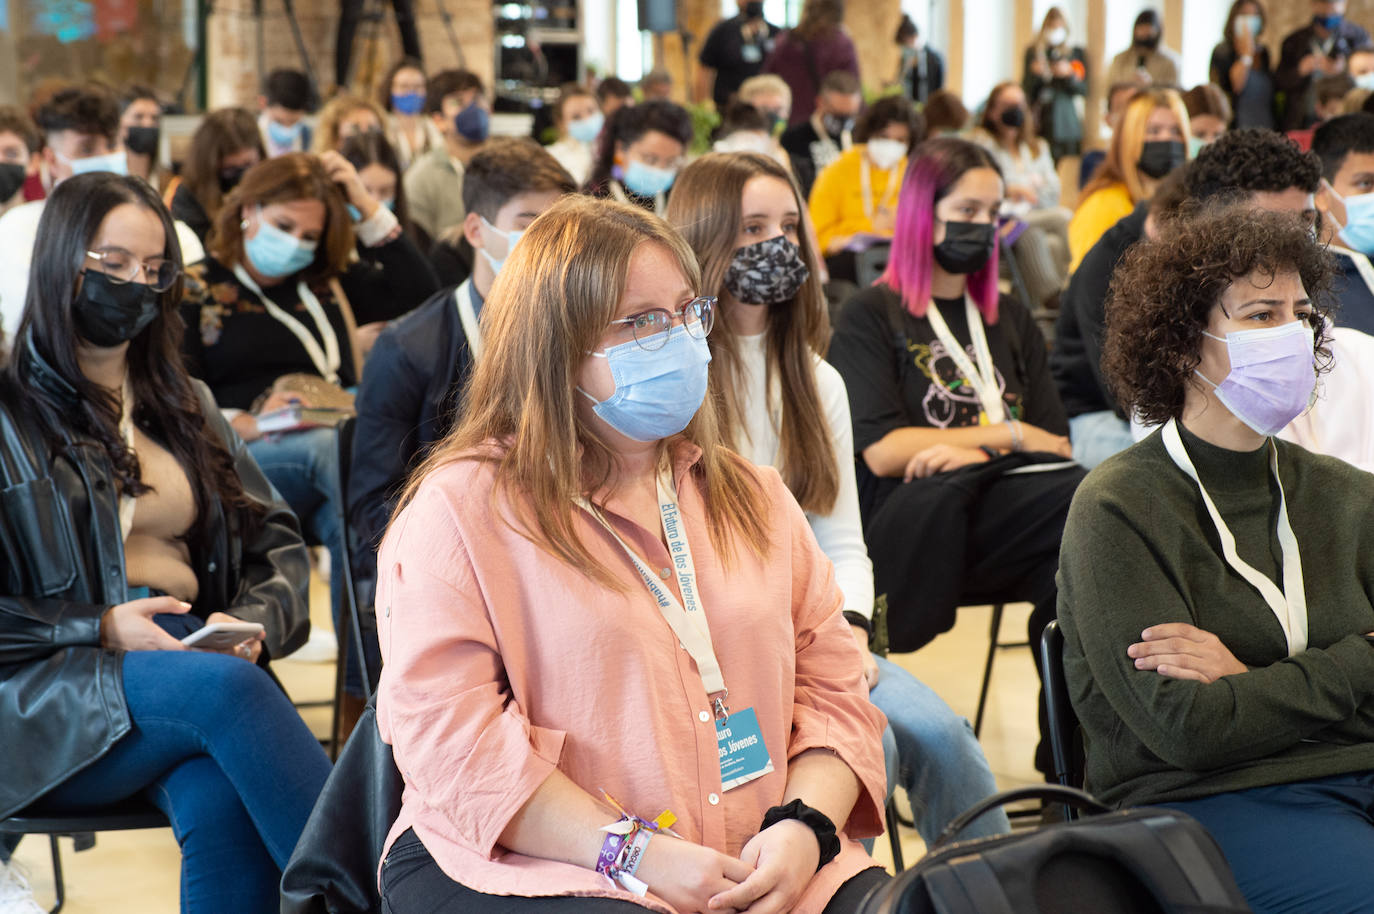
(616, 672)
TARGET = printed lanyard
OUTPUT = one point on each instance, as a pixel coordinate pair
(866, 186)
(1290, 604)
(660, 202)
(983, 377)
(846, 137)
(687, 619)
(326, 360)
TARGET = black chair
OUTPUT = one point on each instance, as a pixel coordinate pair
(993, 646)
(870, 263)
(1065, 736)
(131, 815)
(894, 838)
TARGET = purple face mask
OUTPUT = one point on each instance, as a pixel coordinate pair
(1273, 375)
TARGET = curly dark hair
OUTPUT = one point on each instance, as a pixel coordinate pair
(891, 109)
(1252, 160)
(1163, 291)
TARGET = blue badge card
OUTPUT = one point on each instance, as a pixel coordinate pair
(743, 756)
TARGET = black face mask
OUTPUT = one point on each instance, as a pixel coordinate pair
(108, 313)
(753, 10)
(1148, 44)
(967, 246)
(1013, 117)
(836, 125)
(1159, 157)
(142, 140)
(229, 178)
(11, 179)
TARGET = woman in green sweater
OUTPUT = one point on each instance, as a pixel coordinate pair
(1215, 583)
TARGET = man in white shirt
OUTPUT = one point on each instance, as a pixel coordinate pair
(80, 127)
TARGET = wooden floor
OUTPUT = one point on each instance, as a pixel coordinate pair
(137, 872)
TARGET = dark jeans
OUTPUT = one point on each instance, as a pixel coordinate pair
(412, 883)
(351, 13)
(217, 746)
(1297, 847)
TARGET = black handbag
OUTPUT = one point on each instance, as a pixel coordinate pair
(1131, 861)
(334, 867)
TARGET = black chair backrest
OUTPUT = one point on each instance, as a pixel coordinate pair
(363, 630)
(1065, 739)
(870, 263)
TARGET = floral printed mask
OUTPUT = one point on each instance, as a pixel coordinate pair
(767, 272)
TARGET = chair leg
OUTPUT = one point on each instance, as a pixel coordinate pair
(894, 837)
(58, 886)
(987, 669)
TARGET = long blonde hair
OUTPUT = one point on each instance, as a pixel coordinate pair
(706, 206)
(549, 307)
(1121, 165)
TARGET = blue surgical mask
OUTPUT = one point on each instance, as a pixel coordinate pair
(282, 135)
(354, 214)
(1358, 231)
(1195, 145)
(117, 162)
(512, 238)
(407, 102)
(1330, 23)
(473, 123)
(646, 180)
(656, 392)
(390, 203)
(275, 253)
(587, 129)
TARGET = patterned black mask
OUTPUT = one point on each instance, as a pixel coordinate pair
(765, 273)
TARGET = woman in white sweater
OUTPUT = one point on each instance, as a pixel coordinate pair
(782, 405)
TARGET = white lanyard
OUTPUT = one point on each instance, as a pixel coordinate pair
(127, 503)
(866, 186)
(617, 191)
(327, 359)
(1290, 604)
(983, 377)
(471, 329)
(687, 619)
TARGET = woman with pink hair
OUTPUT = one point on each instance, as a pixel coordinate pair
(964, 476)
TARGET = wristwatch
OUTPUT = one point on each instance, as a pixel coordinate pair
(813, 819)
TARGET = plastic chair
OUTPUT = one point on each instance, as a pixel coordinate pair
(130, 815)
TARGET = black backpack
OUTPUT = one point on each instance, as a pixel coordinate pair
(1133, 861)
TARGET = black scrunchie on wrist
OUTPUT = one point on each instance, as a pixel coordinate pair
(813, 819)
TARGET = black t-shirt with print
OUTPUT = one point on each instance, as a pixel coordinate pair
(924, 387)
(733, 58)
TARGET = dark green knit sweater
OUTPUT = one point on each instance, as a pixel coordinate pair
(1140, 549)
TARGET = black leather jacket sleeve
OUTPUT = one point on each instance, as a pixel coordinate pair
(32, 628)
(274, 568)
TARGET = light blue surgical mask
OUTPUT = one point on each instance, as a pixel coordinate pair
(1195, 145)
(587, 129)
(656, 392)
(275, 253)
(1358, 231)
(354, 214)
(512, 238)
(117, 162)
(1251, 24)
(281, 134)
(646, 180)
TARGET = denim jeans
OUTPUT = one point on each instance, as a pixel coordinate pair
(1097, 436)
(1296, 847)
(304, 468)
(217, 746)
(939, 761)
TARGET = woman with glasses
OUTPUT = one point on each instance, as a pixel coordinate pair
(132, 515)
(616, 668)
(782, 405)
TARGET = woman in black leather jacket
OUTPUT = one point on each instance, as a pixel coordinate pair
(131, 515)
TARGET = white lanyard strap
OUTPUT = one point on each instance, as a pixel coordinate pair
(468, 316)
(618, 192)
(1290, 604)
(866, 186)
(687, 619)
(127, 503)
(326, 360)
(983, 377)
(846, 137)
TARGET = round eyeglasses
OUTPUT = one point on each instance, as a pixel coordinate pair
(122, 267)
(649, 329)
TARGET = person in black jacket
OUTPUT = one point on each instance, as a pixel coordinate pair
(1255, 164)
(419, 365)
(131, 516)
(1320, 48)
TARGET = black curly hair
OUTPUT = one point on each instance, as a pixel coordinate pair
(1251, 160)
(1163, 291)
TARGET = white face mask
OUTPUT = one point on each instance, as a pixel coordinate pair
(1056, 36)
(885, 153)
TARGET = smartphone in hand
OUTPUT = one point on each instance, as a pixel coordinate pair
(221, 636)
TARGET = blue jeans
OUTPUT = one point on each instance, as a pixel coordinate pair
(304, 468)
(1297, 847)
(939, 761)
(217, 746)
(1097, 436)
